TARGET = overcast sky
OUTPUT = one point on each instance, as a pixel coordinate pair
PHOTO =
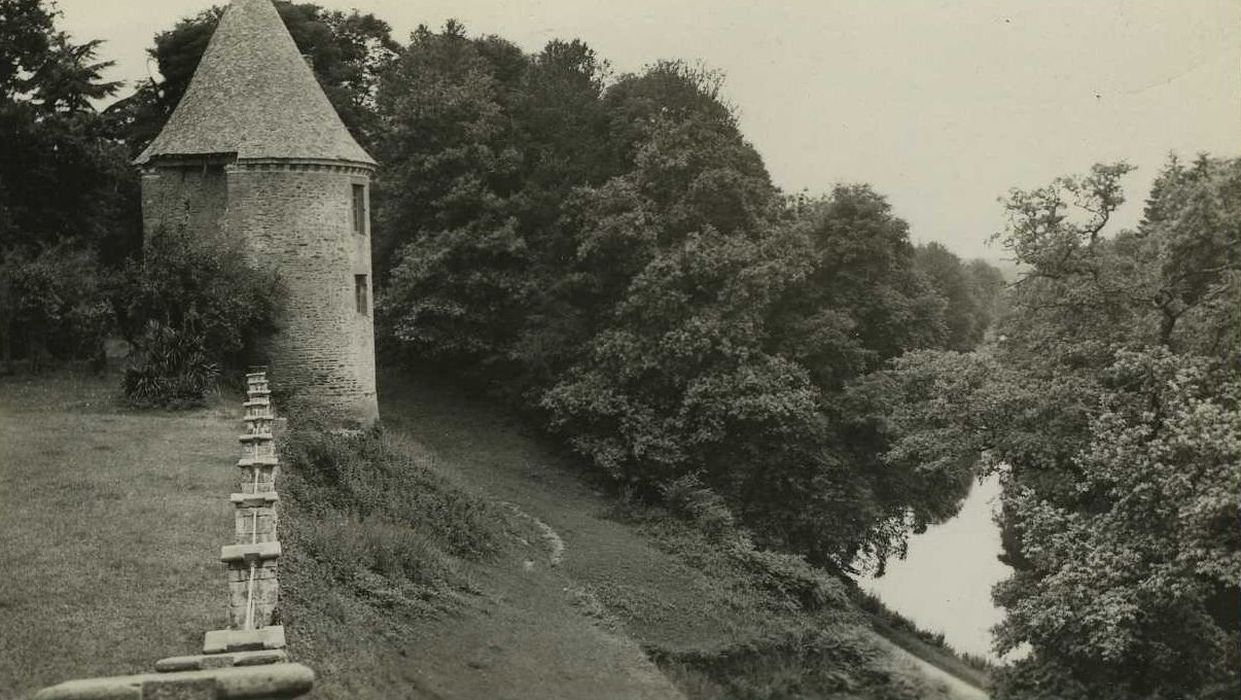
(942, 105)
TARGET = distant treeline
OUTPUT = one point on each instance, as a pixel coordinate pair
(608, 253)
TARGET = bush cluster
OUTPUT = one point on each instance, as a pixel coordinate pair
(380, 520)
(172, 369)
(840, 662)
(193, 307)
(781, 576)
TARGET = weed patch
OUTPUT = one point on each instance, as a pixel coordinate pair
(792, 629)
(375, 519)
(835, 663)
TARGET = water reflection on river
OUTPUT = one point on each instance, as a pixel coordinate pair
(944, 584)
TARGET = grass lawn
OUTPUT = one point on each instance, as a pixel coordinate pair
(111, 522)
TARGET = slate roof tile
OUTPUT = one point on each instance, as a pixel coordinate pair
(254, 95)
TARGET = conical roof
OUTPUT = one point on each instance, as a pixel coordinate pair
(254, 95)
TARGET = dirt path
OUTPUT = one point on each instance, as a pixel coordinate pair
(529, 637)
(660, 600)
(533, 631)
(571, 607)
(955, 688)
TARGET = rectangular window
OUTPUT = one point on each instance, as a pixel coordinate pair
(360, 293)
(359, 209)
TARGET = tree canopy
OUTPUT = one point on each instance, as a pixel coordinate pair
(1110, 409)
(610, 252)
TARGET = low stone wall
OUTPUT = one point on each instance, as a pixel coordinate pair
(247, 659)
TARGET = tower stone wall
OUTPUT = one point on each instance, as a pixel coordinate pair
(299, 218)
(190, 196)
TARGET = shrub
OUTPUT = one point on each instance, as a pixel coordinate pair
(352, 548)
(378, 520)
(194, 304)
(54, 303)
(842, 662)
(790, 576)
(689, 497)
(787, 577)
(171, 369)
(368, 476)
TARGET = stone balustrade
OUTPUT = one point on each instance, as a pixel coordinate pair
(247, 659)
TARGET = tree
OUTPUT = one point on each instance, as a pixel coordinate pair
(54, 303)
(1110, 410)
(59, 177)
(967, 292)
(449, 243)
(26, 27)
(68, 199)
(485, 145)
(864, 302)
(1136, 596)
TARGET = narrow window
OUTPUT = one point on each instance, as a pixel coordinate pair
(359, 293)
(359, 209)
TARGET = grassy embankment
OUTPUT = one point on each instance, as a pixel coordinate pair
(550, 559)
(928, 646)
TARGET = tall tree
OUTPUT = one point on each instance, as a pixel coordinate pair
(449, 235)
(965, 315)
(67, 195)
(60, 177)
(865, 301)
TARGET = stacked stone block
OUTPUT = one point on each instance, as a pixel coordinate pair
(252, 560)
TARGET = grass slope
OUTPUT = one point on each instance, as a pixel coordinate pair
(649, 586)
(111, 522)
(400, 582)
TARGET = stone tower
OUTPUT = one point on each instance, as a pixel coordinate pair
(255, 153)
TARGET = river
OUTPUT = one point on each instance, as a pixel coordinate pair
(944, 584)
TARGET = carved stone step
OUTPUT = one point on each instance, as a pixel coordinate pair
(280, 680)
(249, 500)
(250, 552)
(223, 660)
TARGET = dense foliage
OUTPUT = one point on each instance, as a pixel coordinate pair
(611, 253)
(193, 306)
(1110, 409)
(68, 198)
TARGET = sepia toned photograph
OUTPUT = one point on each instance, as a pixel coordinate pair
(585, 350)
